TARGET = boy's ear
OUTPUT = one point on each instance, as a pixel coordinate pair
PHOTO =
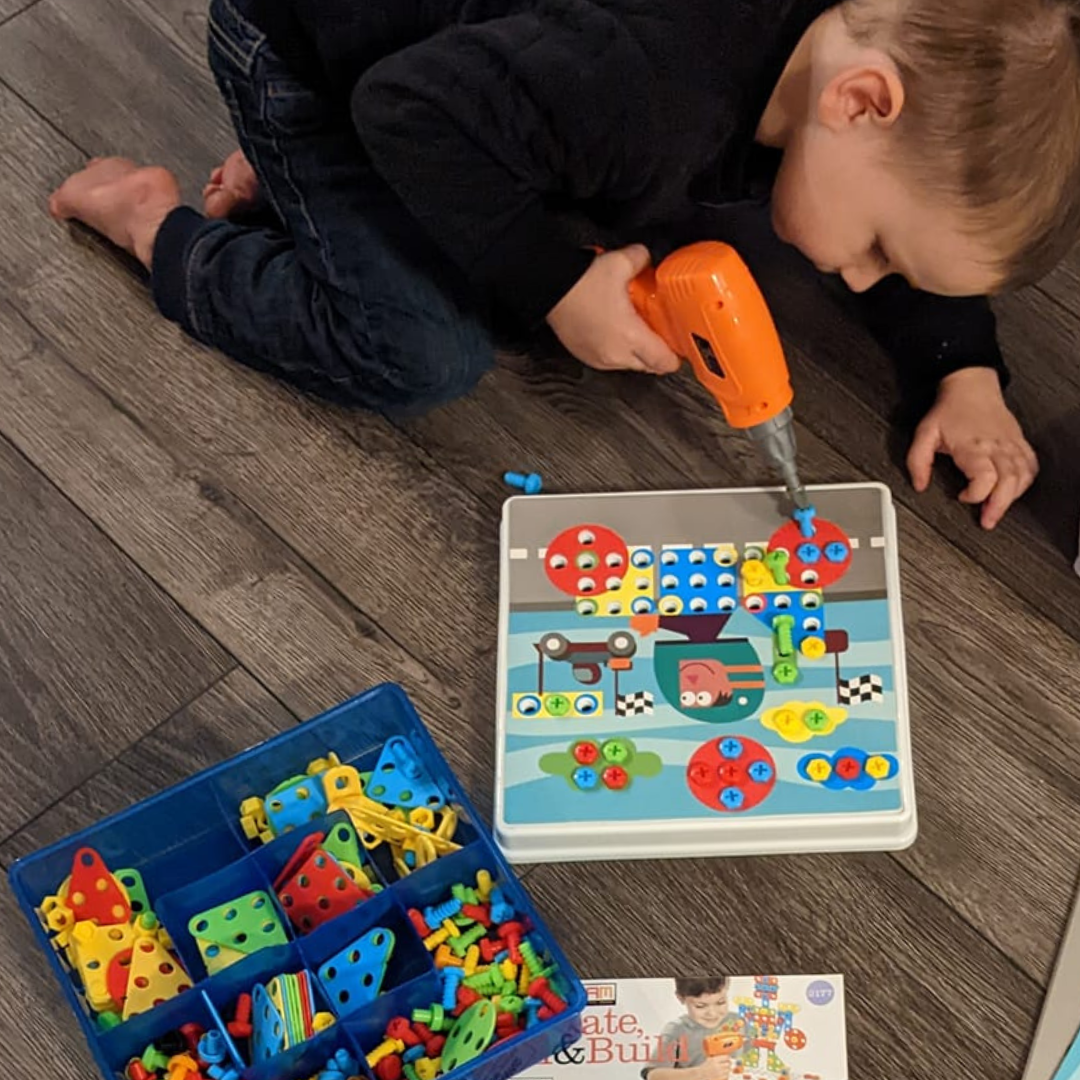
(870, 94)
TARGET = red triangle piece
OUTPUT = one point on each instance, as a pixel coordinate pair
(298, 858)
(319, 892)
(93, 893)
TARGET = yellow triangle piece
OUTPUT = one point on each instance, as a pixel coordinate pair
(155, 976)
(92, 950)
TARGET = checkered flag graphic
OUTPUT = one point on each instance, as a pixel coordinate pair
(861, 688)
(639, 703)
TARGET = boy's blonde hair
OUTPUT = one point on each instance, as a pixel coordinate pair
(991, 115)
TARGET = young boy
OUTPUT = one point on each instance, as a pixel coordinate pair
(683, 1053)
(417, 160)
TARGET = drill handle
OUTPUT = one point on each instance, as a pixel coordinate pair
(645, 296)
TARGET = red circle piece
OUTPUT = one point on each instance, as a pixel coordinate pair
(615, 777)
(818, 575)
(563, 553)
(585, 753)
(709, 773)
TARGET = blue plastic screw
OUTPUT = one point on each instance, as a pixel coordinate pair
(441, 912)
(452, 977)
(220, 1072)
(586, 778)
(760, 772)
(808, 553)
(530, 483)
(732, 798)
(501, 909)
(346, 1062)
(532, 1011)
(413, 1053)
(730, 748)
(805, 518)
(212, 1048)
(836, 552)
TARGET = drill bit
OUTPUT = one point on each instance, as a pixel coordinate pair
(775, 439)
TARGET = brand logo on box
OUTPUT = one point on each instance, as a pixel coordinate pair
(601, 993)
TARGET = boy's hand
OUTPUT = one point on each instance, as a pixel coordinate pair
(597, 322)
(714, 1068)
(971, 422)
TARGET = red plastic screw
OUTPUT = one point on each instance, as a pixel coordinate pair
(540, 988)
(417, 919)
(490, 948)
(615, 777)
(481, 913)
(511, 933)
(389, 1068)
(192, 1034)
(400, 1028)
(240, 1027)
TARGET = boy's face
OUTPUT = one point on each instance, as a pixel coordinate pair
(842, 201)
(707, 1010)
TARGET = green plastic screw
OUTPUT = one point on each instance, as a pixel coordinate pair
(148, 921)
(783, 627)
(528, 954)
(153, 1060)
(483, 982)
(434, 1018)
(108, 1020)
(410, 1071)
(785, 672)
(460, 944)
(777, 562)
(816, 719)
(511, 1003)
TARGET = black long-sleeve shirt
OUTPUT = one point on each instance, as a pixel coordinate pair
(491, 117)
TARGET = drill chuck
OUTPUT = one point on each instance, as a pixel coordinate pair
(775, 439)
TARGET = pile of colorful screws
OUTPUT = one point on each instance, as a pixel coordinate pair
(494, 985)
(190, 1053)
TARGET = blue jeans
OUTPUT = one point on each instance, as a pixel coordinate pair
(342, 295)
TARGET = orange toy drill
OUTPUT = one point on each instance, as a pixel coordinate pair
(703, 301)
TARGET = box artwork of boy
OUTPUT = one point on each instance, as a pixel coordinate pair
(700, 1044)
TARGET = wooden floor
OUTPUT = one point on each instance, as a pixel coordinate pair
(192, 558)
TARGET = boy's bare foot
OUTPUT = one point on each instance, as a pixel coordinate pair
(120, 200)
(233, 187)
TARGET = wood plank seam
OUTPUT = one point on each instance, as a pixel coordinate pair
(222, 494)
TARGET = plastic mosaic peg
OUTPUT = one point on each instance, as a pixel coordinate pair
(354, 977)
(399, 778)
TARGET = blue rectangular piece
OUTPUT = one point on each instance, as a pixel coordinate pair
(191, 833)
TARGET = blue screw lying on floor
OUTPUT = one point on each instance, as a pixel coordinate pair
(529, 483)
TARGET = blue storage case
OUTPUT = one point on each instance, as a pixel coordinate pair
(192, 852)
